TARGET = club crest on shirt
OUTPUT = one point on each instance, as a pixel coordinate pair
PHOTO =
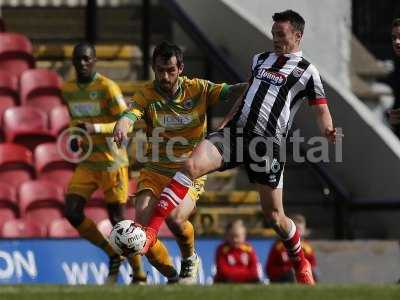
(188, 104)
(270, 76)
(93, 95)
(297, 72)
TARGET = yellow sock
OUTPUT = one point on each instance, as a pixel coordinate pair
(186, 240)
(159, 257)
(137, 266)
(88, 230)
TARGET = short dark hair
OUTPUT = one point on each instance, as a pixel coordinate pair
(396, 22)
(167, 50)
(293, 17)
(84, 45)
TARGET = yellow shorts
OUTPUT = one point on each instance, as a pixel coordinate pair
(114, 184)
(156, 182)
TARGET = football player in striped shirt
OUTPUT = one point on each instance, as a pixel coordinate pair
(280, 81)
(174, 108)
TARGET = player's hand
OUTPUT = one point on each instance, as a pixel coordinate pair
(121, 129)
(394, 116)
(151, 237)
(332, 135)
(88, 127)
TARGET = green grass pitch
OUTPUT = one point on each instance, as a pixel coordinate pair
(216, 292)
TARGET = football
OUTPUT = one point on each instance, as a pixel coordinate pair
(127, 237)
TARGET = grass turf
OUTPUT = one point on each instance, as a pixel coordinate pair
(215, 292)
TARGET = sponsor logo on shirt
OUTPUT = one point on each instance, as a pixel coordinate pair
(270, 76)
(175, 121)
(84, 109)
(297, 72)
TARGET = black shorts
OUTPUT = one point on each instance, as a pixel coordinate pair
(260, 155)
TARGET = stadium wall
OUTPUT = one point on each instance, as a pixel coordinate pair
(370, 152)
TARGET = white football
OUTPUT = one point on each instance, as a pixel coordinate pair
(127, 238)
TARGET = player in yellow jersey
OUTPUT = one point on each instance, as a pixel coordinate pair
(174, 109)
(95, 103)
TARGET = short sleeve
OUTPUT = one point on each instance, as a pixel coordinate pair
(117, 102)
(136, 107)
(314, 91)
(215, 92)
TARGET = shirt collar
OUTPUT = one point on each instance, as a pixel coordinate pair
(298, 54)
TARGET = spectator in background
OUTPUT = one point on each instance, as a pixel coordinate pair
(236, 260)
(394, 115)
(279, 267)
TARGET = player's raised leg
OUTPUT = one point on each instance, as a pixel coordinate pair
(271, 203)
(204, 159)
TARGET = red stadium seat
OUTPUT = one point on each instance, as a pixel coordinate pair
(8, 87)
(104, 226)
(8, 92)
(41, 200)
(95, 208)
(40, 88)
(61, 228)
(8, 203)
(50, 165)
(16, 164)
(132, 186)
(15, 53)
(59, 119)
(27, 126)
(22, 228)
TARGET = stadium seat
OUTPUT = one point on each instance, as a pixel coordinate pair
(40, 88)
(41, 200)
(61, 228)
(22, 228)
(105, 227)
(59, 119)
(8, 203)
(8, 92)
(8, 87)
(16, 164)
(15, 53)
(96, 207)
(27, 126)
(50, 165)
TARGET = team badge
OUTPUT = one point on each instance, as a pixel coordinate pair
(297, 72)
(188, 104)
(93, 95)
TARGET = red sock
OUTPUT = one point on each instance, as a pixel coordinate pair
(293, 246)
(171, 197)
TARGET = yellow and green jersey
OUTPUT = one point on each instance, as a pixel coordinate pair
(181, 121)
(101, 103)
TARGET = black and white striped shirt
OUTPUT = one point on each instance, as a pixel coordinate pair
(277, 87)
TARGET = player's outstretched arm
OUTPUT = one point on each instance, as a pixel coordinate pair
(235, 93)
(325, 124)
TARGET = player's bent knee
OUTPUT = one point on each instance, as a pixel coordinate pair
(191, 169)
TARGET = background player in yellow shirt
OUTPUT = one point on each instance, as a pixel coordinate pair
(174, 109)
(95, 102)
